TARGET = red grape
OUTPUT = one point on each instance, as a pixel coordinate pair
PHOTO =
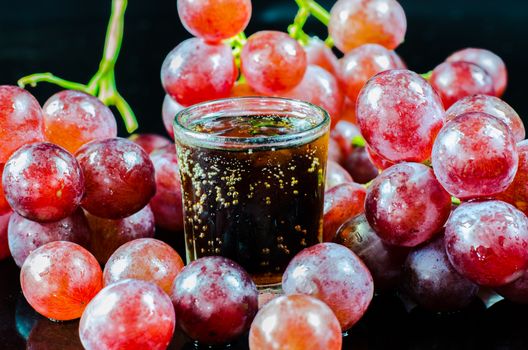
(272, 62)
(399, 115)
(4, 206)
(349, 111)
(486, 242)
(295, 322)
(335, 175)
(195, 71)
(20, 120)
(516, 291)
(491, 63)
(317, 53)
(167, 202)
(406, 205)
(361, 64)
(475, 155)
(431, 282)
(344, 133)
(144, 259)
(107, 235)
(4, 246)
(334, 152)
(25, 235)
(383, 261)
(517, 193)
(242, 89)
(215, 300)
(119, 178)
(168, 113)
(43, 182)
(73, 118)
(128, 315)
(319, 88)
(59, 278)
(360, 166)
(378, 161)
(456, 80)
(490, 105)
(214, 20)
(150, 142)
(357, 22)
(335, 275)
(340, 204)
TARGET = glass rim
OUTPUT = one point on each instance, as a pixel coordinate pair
(183, 133)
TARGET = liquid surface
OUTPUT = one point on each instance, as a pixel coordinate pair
(242, 126)
(257, 207)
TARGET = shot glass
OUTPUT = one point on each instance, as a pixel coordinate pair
(253, 174)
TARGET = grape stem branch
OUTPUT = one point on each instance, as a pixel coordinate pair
(102, 84)
(308, 8)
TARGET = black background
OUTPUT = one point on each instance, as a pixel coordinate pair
(66, 38)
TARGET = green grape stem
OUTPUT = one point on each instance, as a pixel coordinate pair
(102, 84)
(308, 8)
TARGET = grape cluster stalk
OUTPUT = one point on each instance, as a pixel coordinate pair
(103, 82)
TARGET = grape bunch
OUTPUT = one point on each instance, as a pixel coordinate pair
(426, 187)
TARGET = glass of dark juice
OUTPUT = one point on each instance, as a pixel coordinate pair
(253, 173)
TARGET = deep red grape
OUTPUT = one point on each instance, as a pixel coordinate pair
(491, 63)
(119, 178)
(74, 118)
(384, 261)
(150, 142)
(107, 235)
(341, 203)
(399, 115)
(406, 205)
(4, 246)
(335, 175)
(361, 64)
(4, 206)
(128, 315)
(431, 282)
(319, 88)
(493, 106)
(474, 156)
(195, 71)
(43, 182)
(317, 53)
(25, 235)
(144, 259)
(167, 202)
(456, 80)
(335, 275)
(168, 113)
(273, 62)
(295, 322)
(59, 278)
(359, 165)
(487, 242)
(357, 22)
(516, 291)
(517, 193)
(214, 20)
(20, 120)
(215, 300)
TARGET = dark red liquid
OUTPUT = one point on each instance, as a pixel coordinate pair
(257, 207)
